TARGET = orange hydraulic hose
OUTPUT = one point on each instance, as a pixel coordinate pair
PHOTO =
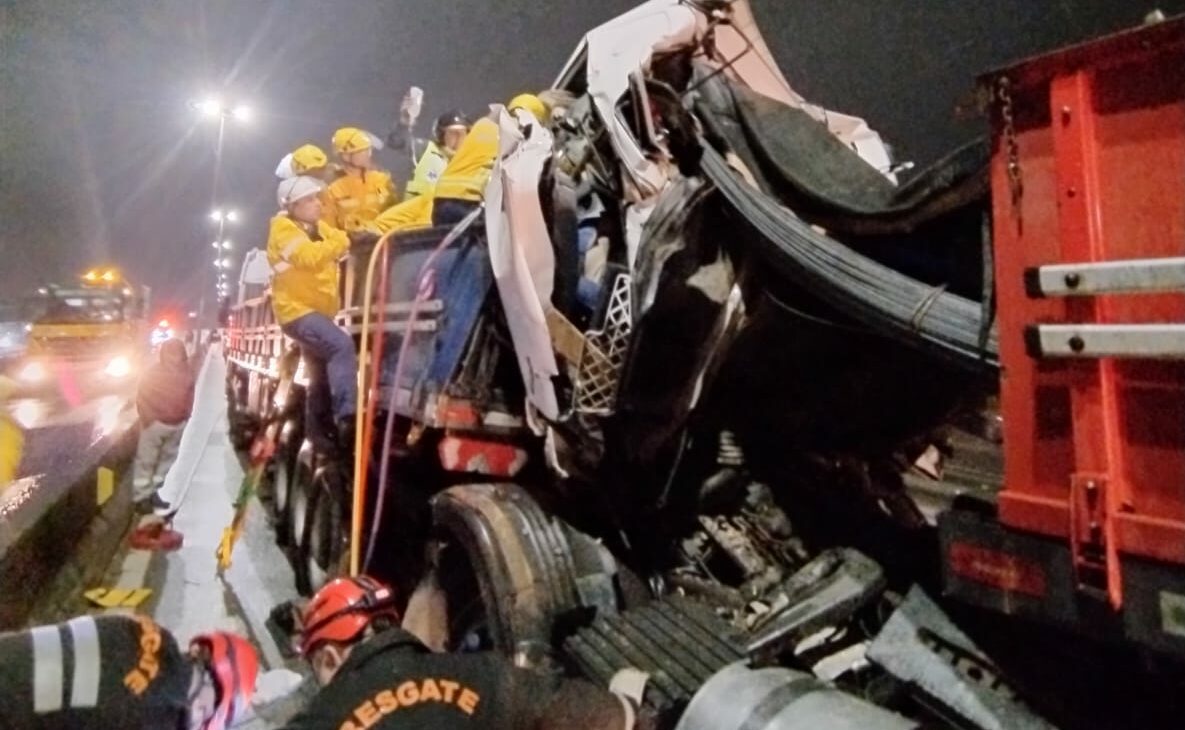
(376, 367)
(359, 425)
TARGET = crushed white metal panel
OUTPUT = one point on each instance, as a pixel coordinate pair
(521, 254)
(627, 43)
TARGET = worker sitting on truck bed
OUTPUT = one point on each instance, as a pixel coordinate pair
(304, 250)
(462, 185)
(376, 675)
(123, 672)
(164, 401)
(360, 191)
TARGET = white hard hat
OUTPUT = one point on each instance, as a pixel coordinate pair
(284, 169)
(296, 188)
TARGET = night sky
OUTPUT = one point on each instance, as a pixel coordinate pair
(101, 159)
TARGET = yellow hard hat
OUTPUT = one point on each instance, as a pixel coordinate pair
(308, 157)
(531, 103)
(348, 140)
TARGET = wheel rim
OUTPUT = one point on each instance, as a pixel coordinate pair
(468, 616)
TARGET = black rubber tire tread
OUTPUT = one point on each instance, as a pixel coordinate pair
(679, 642)
(536, 542)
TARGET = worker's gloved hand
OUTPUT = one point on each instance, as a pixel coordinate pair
(362, 238)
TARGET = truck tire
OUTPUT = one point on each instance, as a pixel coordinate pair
(325, 541)
(283, 479)
(528, 578)
(299, 496)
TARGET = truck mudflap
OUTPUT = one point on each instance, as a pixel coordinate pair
(532, 571)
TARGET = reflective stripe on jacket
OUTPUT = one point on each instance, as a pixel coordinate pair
(354, 199)
(305, 271)
(467, 173)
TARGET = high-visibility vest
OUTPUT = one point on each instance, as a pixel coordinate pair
(428, 171)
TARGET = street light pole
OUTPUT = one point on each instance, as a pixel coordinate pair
(241, 113)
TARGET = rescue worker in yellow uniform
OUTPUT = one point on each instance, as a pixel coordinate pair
(308, 160)
(360, 191)
(122, 672)
(462, 184)
(376, 675)
(12, 440)
(303, 251)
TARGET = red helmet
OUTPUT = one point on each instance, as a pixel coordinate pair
(343, 609)
(234, 664)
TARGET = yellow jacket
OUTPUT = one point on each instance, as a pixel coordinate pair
(304, 271)
(412, 213)
(467, 173)
(353, 200)
(428, 171)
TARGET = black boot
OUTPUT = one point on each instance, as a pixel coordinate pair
(346, 433)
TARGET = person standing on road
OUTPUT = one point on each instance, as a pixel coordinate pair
(164, 401)
(122, 672)
(374, 674)
(303, 251)
(360, 191)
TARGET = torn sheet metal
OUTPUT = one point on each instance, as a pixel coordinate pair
(921, 646)
(521, 253)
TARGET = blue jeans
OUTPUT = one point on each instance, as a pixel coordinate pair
(331, 363)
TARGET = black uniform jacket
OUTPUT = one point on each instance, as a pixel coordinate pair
(393, 681)
(93, 672)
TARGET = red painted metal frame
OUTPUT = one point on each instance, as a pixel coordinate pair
(1094, 449)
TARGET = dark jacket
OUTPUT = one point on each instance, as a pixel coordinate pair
(392, 681)
(166, 388)
(93, 672)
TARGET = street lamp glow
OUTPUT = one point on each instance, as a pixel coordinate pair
(213, 244)
(242, 113)
(226, 263)
(210, 106)
(232, 216)
(226, 245)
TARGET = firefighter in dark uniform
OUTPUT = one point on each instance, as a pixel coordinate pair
(376, 675)
(122, 672)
